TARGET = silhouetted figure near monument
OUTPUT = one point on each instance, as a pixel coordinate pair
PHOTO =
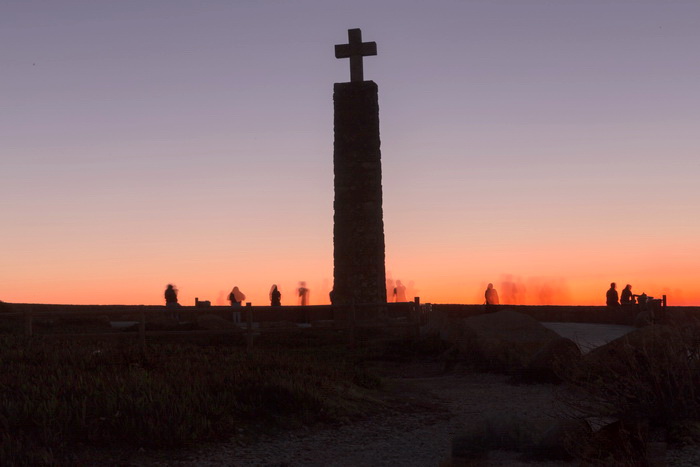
(236, 297)
(611, 297)
(399, 292)
(303, 294)
(275, 296)
(627, 297)
(171, 296)
(491, 295)
(171, 300)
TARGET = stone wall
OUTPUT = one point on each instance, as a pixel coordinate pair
(567, 314)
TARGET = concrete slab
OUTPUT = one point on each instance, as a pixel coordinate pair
(589, 336)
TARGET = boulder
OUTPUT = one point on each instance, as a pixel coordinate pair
(504, 340)
(616, 356)
(497, 431)
(623, 442)
(562, 441)
(553, 362)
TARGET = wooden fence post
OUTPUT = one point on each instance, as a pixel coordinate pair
(142, 332)
(416, 316)
(351, 325)
(249, 320)
(28, 324)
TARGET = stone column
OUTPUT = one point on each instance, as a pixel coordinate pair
(358, 231)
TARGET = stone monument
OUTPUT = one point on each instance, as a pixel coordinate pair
(359, 275)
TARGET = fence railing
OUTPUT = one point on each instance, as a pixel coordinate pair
(249, 321)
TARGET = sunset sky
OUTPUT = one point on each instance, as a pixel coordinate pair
(549, 147)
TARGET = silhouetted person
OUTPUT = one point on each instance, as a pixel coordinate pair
(275, 296)
(491, 295)
(171, 300)
(236, 297)
(627, 297)
(171, 296)
(399, 292)
(611, 298)
(303, 294)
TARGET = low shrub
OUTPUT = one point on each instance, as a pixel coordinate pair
(650, 377)
(653, 373)
(55, 395)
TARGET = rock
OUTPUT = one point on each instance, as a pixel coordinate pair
(656, 453)
(562, 440)
(497, 431)
(553, 362)
(616, 356)
(504, 340)
(214, 322)
(470, 445)
(619, 442)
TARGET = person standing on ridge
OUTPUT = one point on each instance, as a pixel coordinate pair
(236, 297)
(171, 300)
(611, 297)
(303, 294)
(491, 295)
(399, 292)
(627, 297)
(171, 296)
(275, 296)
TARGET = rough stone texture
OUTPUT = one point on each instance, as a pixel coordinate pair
(497, 431)
(552, 361)
(358, 231)
(562, 439)
(614, 354)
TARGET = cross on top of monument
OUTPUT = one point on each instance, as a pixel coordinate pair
(355, 50)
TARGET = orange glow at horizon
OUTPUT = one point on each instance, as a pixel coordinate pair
(513, 289)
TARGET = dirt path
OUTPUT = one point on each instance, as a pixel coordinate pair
(437, 408)
(429, 408)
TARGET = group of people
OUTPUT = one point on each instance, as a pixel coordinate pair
(236, 297)
(611, 297)
(626, 298)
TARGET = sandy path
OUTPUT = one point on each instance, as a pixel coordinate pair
(420, 438)
(437, 407)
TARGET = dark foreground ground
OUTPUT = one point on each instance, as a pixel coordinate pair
(427, 407)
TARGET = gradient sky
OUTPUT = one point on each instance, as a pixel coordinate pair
(549, 147)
